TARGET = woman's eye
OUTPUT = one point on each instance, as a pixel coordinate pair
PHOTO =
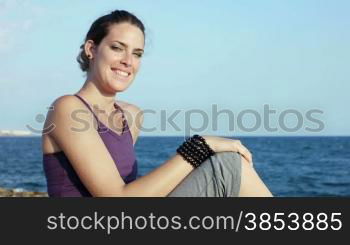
(138, 55)
(116, 48)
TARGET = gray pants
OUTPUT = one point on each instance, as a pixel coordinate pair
(218, 176)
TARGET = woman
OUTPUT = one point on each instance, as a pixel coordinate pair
(99, 160)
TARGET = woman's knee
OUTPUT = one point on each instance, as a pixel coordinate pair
(240, 175)
(251, 184)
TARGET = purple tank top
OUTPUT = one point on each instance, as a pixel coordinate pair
(62, 180)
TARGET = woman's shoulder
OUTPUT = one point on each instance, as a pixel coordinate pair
(66, 101)
(128, 107)
(134, 116)
(59, 115)
(64, 107)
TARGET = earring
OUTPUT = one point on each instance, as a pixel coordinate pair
(89, 56)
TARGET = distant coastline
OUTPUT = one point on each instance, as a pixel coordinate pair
(15, 133)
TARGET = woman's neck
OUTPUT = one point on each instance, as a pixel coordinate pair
(96, 97)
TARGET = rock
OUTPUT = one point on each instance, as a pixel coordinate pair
(19, 193)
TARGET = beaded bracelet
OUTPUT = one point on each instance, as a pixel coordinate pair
(195, 150)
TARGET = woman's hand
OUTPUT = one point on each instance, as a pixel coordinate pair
(220, 144)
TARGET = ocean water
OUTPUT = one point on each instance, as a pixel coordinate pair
(290, 166)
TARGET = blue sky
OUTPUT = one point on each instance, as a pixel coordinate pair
(238, 55)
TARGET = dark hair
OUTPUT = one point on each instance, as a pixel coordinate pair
(99, 29)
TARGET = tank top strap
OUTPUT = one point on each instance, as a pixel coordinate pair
(118, 108)
(88, 106)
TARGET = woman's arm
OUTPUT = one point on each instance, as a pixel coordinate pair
(96, 168)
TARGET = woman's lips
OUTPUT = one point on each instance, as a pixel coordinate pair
(120, 73)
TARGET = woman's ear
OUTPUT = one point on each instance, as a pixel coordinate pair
(89, 49)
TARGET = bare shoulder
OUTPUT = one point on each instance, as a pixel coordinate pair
(67, 102)
(132, 112)
(134, 116)
(60, 117)
(129, 107)
(64, 110)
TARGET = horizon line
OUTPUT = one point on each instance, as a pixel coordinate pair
(34, 136)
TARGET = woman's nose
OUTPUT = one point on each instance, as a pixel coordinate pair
(127, 59)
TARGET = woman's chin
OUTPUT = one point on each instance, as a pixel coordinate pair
(120, 86)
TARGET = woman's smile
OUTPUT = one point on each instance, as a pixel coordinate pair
(123, 75)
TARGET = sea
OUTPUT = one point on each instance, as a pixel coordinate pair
(289, 166)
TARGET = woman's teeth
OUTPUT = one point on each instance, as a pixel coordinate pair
(122, 73)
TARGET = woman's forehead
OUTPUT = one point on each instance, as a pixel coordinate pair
(126, 33)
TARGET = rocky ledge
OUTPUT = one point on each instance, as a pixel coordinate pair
(20, 193)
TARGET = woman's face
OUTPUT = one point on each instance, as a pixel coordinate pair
(116, 60)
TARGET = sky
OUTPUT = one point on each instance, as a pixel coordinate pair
(242, 57)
